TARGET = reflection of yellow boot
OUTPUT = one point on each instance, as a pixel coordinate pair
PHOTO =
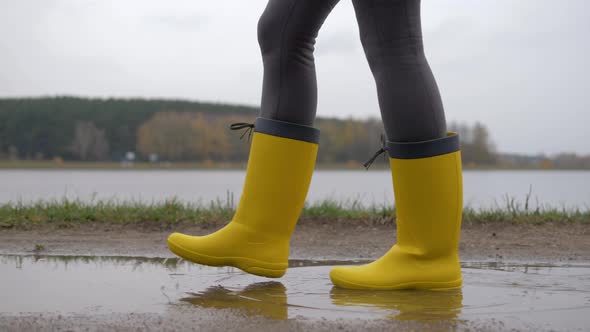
(421, 305)
(264, 298)
(427, 185)
(280, 166)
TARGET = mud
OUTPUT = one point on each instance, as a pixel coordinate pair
(323, 240)
(121, 293)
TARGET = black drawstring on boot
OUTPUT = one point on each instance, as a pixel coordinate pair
(369, 162)
(242, 125)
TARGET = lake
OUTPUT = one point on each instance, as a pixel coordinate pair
(555, 188)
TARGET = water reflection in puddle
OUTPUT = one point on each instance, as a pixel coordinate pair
(519, 295)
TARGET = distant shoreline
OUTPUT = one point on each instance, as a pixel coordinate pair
(208, 165)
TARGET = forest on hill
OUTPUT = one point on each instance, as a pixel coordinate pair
(93, 129)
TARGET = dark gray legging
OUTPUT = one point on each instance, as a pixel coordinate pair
(391, 36)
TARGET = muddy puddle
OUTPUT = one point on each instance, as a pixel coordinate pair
(520, 296)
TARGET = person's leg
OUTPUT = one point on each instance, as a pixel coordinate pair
(287, 31)
(425, 160)
(409, 99)
(283, 152)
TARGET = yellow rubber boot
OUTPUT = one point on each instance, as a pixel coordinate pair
(256, 240)
(427, 184)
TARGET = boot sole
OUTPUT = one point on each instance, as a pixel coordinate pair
(422, 285)
(248, 265)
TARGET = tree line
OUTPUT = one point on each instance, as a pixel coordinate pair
(85, 129)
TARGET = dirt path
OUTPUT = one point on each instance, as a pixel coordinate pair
(222, 309)
(312, 240)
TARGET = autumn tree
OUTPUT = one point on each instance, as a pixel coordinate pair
(184, 136)
(210, 137)
(89, 142)
(483, 148)
(476, 144)
(167, 134)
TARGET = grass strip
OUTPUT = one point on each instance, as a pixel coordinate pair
(69, 212)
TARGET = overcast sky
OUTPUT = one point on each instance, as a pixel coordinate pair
(522, 67)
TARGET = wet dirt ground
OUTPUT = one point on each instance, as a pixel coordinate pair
(313, 239)
(534, 278)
